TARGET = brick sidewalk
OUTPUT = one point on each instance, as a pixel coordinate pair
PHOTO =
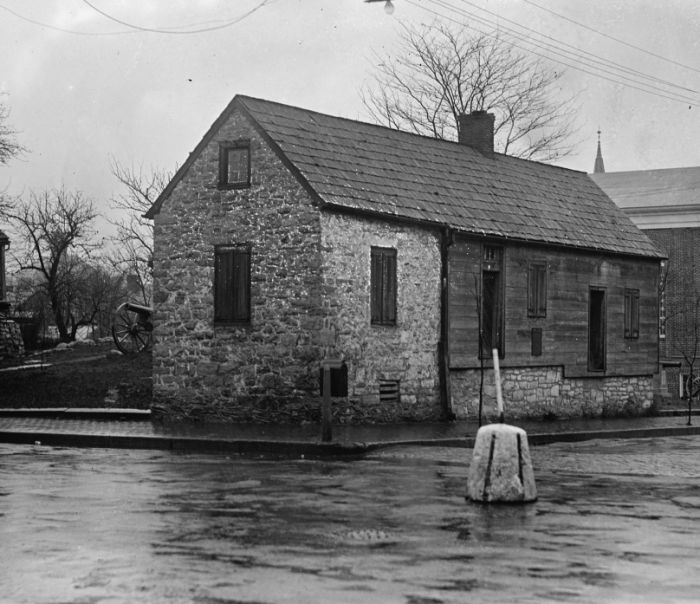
(133, 429)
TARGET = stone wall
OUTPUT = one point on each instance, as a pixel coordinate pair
(11, 343)
(310, 299)
(406, 352)
(265, 371)
(543, 392)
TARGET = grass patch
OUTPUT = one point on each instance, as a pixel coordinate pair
(83, 375)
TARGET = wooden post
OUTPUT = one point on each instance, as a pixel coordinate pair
(499, 393)
(326, 415)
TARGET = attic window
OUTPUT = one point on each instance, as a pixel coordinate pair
(234, 165)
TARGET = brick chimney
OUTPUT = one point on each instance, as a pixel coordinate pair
(476, 131)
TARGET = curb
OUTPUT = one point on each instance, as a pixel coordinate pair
(184, 444)
(287, 448)
(106, 414)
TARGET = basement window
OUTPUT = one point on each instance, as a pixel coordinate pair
(389, 391)
(234, 165)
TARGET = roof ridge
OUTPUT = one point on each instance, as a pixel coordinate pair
(424, 137)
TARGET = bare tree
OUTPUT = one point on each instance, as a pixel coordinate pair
(9, 147)
(683, 325)
(440, 72)
(134, 238)
(52, 226)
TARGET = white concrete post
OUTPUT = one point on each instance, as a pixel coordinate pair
(501, 468)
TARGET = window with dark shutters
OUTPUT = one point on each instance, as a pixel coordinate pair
(537, 290)
(383, 286)
(631, 313)
(232, 284)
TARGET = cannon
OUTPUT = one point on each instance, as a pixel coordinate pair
(132, 328)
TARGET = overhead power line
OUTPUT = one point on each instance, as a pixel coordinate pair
(135, 29)
(584, 54)
(175, 31)
(613, 38)
(550, 51)
(61, 29)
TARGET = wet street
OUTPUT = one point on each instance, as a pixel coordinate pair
(616, 521)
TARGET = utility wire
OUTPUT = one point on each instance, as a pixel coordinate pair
(61, 29)
(174, 31)
(613, 38)
(577, 51)
(641, 86)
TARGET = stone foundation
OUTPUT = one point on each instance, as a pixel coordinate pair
(265, 409)
(544, 393)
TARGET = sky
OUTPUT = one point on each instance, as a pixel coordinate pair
(88, 84)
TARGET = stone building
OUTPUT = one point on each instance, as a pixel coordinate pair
(665, 204)
(11, 344)
(4, 244)
(289, 237)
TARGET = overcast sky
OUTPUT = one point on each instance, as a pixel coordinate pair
(144, 97)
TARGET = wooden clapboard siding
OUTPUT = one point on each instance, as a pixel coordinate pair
(570, 275)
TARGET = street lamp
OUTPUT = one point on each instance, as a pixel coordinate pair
(388, 7)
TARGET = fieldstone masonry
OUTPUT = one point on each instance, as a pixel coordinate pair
(310, 299)
(11, 343)
(260, 372)
(543, 392)
(405, 352)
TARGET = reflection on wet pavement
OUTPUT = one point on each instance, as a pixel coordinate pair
(616, 522)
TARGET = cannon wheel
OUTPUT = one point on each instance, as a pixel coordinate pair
(695, 386)
(131, 330)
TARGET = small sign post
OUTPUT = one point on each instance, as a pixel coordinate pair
(326, 411)
(499, 392)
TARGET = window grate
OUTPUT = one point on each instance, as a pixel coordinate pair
(389, 391)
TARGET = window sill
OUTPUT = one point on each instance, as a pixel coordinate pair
(231, 186)
(242, 324)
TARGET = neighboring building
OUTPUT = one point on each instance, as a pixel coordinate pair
(11, 344)
(665, 204)
(4, 244)
(289, 237)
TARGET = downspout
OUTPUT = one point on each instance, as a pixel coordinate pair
(446, 241)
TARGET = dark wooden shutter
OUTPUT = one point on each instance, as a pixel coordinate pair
(231, 284)
(223, 284)
(536, 341)
(383, 286)
(241, 285)
(376, 286)
(537, 290)
(541, 307)
(389, 293)
(631, 313)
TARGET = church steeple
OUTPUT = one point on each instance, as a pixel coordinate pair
(599, 165)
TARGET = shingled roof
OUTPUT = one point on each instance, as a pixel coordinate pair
(356, 166)
(668, 188)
